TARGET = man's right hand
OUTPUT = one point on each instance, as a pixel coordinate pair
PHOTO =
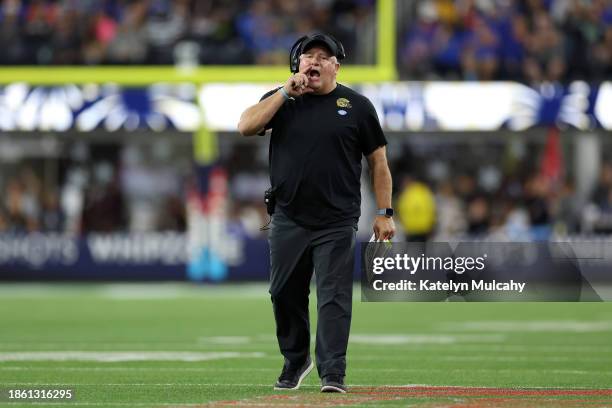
(254, 119)
(297, 84)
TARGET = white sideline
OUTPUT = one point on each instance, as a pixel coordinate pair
(120, 356)
(530, 326)
(273, 370)
(12, 346)
(397, 339)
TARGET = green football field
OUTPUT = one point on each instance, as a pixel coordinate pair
(163, 345)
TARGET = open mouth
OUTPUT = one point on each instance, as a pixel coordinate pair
(314, 74)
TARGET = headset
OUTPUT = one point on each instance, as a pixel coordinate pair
(298, 47)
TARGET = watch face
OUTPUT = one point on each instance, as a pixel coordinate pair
(389, 212)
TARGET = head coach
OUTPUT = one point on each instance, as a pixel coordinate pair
(320, 130)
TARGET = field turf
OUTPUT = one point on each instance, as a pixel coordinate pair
(175, 345)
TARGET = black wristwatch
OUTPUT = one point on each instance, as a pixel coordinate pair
(387, 212)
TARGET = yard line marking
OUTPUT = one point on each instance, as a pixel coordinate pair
(120, 356)
(229, 369)
(270, 385)
(460, 357)
(145, 369)
(520, 359)
(480, 347)
(135, 291)
(395, 339)
(183, 290)
(226, 340)
(138, 404)
(520, 348)
(379, 339)
(530, 326)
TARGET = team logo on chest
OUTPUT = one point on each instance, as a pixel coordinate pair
(344, 104)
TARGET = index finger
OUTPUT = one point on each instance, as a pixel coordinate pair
(307, 70)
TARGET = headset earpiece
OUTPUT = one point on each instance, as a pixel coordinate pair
(294, 54)
(341, 54)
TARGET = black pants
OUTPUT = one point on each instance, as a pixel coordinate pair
(294, 252)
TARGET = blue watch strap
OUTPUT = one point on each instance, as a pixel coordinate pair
(387, 212)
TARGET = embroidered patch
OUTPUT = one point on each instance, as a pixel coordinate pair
(343, 103)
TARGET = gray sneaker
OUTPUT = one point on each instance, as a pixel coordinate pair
(333, 383)
(290, 379)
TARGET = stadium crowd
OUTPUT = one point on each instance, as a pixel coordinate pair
(518, 209)
(172, 31)
(525, 40)
(443, 200)
(132, 195)
(116, 191)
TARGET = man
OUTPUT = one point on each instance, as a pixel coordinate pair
(416, 209)
(320, 130)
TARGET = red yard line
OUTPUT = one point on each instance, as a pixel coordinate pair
(468, 397)
(520, 403)
(480, 391)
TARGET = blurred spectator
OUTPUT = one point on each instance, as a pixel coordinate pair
(597, 215)
(4, 221)
(104, 203)
(416, 208)
(149, 188)
(451, 219)
(65, 45)
(39, 20)
(52, 218)
(172, 216)
(72, 198)
(516, 223)
(22, 202)
(433, 44)
(602, 55)
(417, 53)
(466, 187)
(601, 195)
(478, 216)
(262, 32)
(480, 52)
(545, 51)
(11, 40)
(129, 45)
(537, 196)
(165, 25)
(15, 207)
(567, 209)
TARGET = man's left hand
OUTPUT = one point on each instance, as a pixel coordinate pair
(384, 228)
